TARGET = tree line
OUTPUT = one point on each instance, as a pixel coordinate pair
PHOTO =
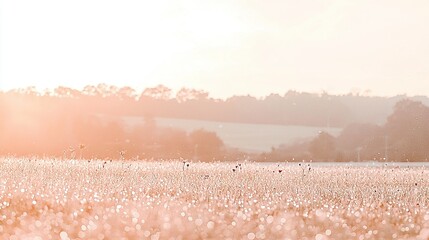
(45, 125)
(71, 123)
(404, 137)
(291, 108)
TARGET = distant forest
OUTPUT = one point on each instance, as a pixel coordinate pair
(67, 122)
(404, 137)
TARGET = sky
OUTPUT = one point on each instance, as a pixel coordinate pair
(226, 47)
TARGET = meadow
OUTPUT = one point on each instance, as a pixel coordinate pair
(96, 199)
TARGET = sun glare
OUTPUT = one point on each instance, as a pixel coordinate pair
(214, 119)
(215, 27)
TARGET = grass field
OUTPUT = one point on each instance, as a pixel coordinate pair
(80, 199)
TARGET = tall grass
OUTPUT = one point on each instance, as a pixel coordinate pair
(72, 199)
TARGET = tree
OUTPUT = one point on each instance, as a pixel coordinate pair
(126, 93)
(159, 92)
(105, 90)
(90, 90)
(66, 92)
(207, 145)
(174, 143)
(323, 146)
(408, 131)
(362, 142)
(358, 135)
(186, 94)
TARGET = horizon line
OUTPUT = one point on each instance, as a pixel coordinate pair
(366, 93)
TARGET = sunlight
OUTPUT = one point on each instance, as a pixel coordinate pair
(214, 119)
(213, 26)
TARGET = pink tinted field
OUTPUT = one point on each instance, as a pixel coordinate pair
(81, 199)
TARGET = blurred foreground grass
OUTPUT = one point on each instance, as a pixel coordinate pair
(81, 199)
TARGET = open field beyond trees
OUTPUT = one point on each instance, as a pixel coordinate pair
(95, 199)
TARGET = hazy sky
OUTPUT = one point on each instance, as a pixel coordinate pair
(223, 46)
